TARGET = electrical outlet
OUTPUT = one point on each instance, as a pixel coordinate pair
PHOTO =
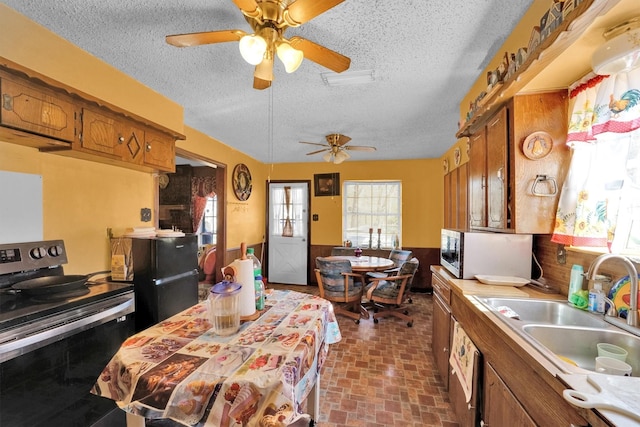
(315, 217)
(145, 214)
(561, 255)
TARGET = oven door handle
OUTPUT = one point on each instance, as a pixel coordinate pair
(63, 327)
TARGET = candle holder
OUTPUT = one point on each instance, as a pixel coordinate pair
(379, 238)
(370, 238)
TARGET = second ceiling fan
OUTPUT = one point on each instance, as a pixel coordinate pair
(269, 19)
(337, 148)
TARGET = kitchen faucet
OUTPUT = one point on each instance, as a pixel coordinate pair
(632, 314)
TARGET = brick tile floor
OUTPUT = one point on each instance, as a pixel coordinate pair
(383, 374)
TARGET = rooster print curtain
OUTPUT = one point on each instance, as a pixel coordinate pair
(604, 138)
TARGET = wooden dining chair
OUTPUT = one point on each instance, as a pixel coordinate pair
(388, 294)
(399, 257)
(340, 285)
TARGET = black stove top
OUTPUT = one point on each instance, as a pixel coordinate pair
(19, 309)
(29, 260)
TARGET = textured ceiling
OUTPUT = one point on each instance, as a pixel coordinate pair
(425, 54)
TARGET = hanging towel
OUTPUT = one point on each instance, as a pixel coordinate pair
(462, 359)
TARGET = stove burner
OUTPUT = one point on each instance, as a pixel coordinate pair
(60, 296)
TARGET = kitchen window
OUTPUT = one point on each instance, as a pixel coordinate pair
(369, 206)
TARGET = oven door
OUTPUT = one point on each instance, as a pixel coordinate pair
(50, 385)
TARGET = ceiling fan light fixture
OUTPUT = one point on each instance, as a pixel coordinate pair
(327, 157)
(621, 51)
(252, 48)
(290, 57)
(340, 157)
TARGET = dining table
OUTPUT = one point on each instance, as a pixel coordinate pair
(262, 375)
(365, 264)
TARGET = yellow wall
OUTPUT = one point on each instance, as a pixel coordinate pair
(81, 200)
(422, 196)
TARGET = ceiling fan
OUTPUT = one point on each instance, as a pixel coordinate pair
(337, 149)
(269, 19)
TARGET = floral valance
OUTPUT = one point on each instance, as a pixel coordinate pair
(605, 104)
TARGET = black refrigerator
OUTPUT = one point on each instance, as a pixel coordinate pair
(165, 277)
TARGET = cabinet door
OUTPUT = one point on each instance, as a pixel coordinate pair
(462, 206)
(448, 208)
(159, 151)
(467, 412)
(500, 407)
(100, 133)
(130, 145)
(497, 178)
(37, 110)
(441, 324)
(477, 179)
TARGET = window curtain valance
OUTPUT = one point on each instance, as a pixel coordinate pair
(604, 123)
(202, 187)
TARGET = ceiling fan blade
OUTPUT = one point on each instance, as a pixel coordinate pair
(342, 139)
(248, 7)
(301, 11)
(261, 84)
(321, 55)
(319, 151)
(206, 37)
(264, 70)
(313, 143)
(360, 148)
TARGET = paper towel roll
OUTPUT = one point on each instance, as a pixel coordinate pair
(244, 275)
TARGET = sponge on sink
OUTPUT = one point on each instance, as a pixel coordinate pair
(580, 299)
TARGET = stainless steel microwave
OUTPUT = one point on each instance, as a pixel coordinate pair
(467, 253)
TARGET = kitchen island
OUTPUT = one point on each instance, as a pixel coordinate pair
(514, 384)
(181, 370)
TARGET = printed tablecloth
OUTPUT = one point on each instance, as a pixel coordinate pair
(260, 376)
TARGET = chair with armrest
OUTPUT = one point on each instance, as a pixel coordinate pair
(399, 257)
(388, 294)
(207, 265)
(340, 285)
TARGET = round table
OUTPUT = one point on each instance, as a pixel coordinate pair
(363, 264)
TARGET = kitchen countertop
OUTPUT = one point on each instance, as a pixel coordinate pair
(471, 288)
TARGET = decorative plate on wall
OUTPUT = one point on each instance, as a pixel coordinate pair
(242, 181)
(537, 145)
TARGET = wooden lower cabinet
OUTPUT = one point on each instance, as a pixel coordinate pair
(441, 339)
(500, 406)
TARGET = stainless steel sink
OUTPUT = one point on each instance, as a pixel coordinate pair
(563, 333)
(546, 311)
(578, 344)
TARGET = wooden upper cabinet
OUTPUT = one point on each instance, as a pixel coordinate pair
(36, 110)
(477, 178)
(131, 143)
(497, 172)
(463, 197)
(159, 151)
(511, 189)
(100, 132)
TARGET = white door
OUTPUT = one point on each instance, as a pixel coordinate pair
(288, 232)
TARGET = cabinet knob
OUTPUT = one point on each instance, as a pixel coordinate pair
(148, 147)
(120, 139)
(445, 350)
(483, 424)
(500, 173)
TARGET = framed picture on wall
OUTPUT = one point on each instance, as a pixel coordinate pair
(327, 184)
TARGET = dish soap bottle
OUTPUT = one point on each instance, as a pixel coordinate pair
(596, 298)
(575, 282)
